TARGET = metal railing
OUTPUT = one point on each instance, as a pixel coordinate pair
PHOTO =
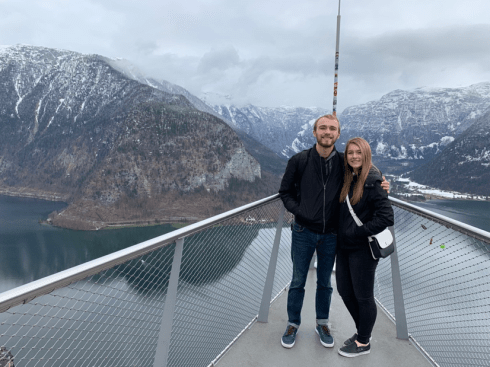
(176, 300)
(183, 298)
(445, 275)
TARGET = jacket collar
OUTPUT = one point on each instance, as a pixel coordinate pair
(332, 154)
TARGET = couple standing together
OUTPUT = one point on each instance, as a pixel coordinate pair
(314, 188)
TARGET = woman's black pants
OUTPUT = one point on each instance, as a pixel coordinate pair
(355, 282)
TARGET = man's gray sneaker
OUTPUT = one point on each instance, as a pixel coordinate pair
(289, 337)
(352, 339)
(324, 333)
(352, 350)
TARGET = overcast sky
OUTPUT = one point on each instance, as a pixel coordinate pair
(270, 52)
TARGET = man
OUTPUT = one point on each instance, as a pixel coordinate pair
(310, 189)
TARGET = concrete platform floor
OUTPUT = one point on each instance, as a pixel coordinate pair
(260, 346)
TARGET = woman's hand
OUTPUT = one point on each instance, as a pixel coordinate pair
(385, 185)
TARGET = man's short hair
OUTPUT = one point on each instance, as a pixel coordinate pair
(330, 117)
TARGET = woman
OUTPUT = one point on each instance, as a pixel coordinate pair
(355, 264)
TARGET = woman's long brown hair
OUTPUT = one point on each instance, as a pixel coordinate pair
(364, 171)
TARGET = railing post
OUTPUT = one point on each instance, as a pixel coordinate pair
(400, 316)
(271, 271)
(161, 355)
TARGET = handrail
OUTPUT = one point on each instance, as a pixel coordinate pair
(28, 292)
(471, 231)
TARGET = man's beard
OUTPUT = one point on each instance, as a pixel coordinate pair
(327, 145)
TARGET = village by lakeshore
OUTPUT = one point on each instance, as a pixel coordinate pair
(404, 188)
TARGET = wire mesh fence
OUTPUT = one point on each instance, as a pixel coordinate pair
(114, 317)
(218, 300)
(446, 288)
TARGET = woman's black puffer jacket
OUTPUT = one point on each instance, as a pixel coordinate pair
(374, 210)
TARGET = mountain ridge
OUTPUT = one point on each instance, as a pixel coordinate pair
(406, 129)
(76, 128)
(464, 165)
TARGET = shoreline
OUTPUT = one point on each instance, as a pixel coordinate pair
(60, 198)
(79, 223)
(34, 195)
(175, 224)
(99, 226)
(412, 188)
(407, 196)
(72, 219)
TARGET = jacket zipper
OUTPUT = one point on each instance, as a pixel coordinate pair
(324, 189)
(324, 204)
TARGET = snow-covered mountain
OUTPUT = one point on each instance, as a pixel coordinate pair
(276, 128)
(74, 126)
(259, 148)
(464, 165)
(132, 72)
(416, 124)
(409, 126)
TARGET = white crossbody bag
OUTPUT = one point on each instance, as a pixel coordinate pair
(381, 244)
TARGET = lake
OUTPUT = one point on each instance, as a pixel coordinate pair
(474, 213)
(217, 269)
(30, 250)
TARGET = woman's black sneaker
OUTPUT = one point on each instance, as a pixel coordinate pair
(352, 350)
(353, 338)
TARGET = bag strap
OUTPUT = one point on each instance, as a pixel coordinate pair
(302, 162)
(300, 170)
(356, 219)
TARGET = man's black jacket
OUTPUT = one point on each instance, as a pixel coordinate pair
(316, 205)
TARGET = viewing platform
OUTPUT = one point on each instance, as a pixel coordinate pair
(260, 346)
(213, 293)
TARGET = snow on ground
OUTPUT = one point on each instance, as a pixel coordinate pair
(417, 189)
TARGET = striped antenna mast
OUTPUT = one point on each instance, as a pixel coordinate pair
(336, 78)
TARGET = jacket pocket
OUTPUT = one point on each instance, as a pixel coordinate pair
(296, 227)
(350, 237)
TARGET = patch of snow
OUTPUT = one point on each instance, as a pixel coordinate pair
(417, 188)
(445, 140)
(3, 48)
(50, 121)
(380, 147)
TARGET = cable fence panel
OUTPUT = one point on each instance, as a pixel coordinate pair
(222, 279)
(446, 287)
(108, 319)
(113, 317)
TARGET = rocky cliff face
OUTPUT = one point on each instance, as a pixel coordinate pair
(74, 126)
(464, 165)
(270, 161)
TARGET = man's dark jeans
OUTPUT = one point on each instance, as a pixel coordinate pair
(304, 243)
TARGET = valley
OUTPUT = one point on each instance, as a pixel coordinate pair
(121, 148)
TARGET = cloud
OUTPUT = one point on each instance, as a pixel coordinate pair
(439, 57)
(273, 52)
(221, 59)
